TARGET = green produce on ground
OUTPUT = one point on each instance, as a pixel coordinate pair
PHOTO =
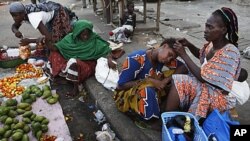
(28, 114)
(25, 138)
(4, 110)
(11, 102)
(45, 121)
(7, 134)
(12, 114)
(26, 120)
(19, 125)
(17, 136)
(22, 105)
(3, 118)
(38, 135)
(2, 131)
(20, 111)
(52, 100)
(46, 87)
(46, 94)
(8, 121)
(26, 129)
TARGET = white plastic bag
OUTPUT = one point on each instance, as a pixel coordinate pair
(246, 52)
(241, 91)
(105, 75)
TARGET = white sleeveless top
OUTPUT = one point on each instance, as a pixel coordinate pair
(36, 17)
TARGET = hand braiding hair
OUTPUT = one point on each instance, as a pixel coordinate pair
(230, 19)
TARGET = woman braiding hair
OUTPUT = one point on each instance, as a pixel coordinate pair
(209, 85)
(230, 19)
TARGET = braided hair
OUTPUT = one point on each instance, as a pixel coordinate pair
(170, 41)
(230, 19)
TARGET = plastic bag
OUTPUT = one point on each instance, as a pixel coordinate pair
(24, 52)
(105, 75)
(217, 124)
(241, 91)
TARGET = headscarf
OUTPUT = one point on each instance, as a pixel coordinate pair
(43, 6)
(230, 19)
(29, 8)
(72, 47)
(16, 7)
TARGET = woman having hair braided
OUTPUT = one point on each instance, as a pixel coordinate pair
(207, 87)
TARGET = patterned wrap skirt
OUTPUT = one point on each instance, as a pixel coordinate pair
(200, 98)
(73, 69)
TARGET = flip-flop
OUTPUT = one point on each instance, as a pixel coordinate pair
(142, 124)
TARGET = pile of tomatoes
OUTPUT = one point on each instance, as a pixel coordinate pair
(9, 85)
(48, 138)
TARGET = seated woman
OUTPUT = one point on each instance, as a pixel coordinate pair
(141, 83)
(50, 18)
(74, 57)
(208, 86)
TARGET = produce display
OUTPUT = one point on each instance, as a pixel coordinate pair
(32, 92)
(23, 110)
(18, 119)
(9, 85)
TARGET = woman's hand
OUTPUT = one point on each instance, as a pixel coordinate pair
(24, 41)
(179, 49)
(157, 83)
(111, 64)
(18, 34)
(40, 40)
(184, 42)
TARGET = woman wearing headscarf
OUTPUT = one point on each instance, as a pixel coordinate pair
(50, 18)
(208, 86)
(74, 57)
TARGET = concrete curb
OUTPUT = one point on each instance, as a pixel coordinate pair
(120, 123)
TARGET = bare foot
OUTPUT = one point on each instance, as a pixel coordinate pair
(72, 93)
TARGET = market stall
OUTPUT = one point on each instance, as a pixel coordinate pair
(29, 108)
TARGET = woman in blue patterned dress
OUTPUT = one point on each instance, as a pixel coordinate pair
(133, 92)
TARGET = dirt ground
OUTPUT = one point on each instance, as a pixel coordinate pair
(78, 115)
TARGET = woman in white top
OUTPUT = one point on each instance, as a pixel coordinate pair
(50, 18)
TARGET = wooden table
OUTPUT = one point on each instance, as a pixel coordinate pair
(108, 11)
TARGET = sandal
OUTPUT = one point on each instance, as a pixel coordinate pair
(142, 124)
(153, 125)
